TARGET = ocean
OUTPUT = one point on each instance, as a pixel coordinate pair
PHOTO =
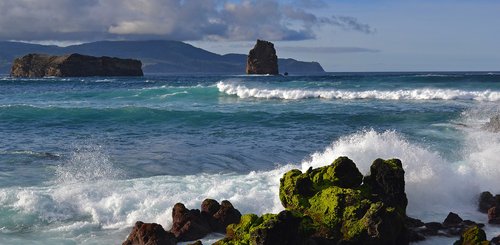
(83, 159)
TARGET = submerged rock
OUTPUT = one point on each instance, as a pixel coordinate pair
(330, 205)
(149, 234)
(494, 215)
(262, 59)
(74, 65)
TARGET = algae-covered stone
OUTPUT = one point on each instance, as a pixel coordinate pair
(387, 180)
(284, 228)
(343, 209)
(473, 236)
(330, 205)
(296, 187)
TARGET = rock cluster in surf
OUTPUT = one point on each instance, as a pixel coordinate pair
(74, 65)
(334, 204)
(491, 205)
(262, 59)
(187, 224)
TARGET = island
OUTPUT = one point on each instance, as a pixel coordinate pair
(262, 59)
(73, 65)
(157, 57)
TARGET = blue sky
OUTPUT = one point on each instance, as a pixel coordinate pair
(343, 35)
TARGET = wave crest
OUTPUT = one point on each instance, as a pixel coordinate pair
(243, 91)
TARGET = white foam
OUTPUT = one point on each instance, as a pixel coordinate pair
(79, 204)
(243, 91)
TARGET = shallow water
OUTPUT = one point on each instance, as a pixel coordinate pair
(82, 159)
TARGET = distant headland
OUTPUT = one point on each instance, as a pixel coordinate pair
(158, 56)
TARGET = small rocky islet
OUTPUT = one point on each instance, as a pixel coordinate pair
(73, 65)
(334, 204)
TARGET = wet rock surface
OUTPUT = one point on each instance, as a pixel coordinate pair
(149, 234)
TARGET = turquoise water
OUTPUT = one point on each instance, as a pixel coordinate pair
(82, 159)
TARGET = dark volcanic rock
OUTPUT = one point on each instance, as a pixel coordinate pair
(486, 201)
(452, 220)
(495, 240)
(219, 216)
(188, 225)
(262, 59)
(74, 65)
(225, 216)
(494, 215)
(149, 234)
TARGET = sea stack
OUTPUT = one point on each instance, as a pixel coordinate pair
(262, 59)
(74, 65)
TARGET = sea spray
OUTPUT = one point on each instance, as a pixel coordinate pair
(87, 163)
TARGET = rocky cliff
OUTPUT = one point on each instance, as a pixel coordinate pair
(262, 59)
(74, 65)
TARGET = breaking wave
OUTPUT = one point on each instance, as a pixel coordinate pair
(243, 91)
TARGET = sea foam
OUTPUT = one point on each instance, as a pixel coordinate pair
(81, 200)
(243, 91)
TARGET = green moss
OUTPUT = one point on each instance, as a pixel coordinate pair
(295, 187)
(394, 163)
(328, 205)
(473, 236)
(239, 234)
(330, 202)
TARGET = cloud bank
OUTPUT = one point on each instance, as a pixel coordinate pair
(167, 19)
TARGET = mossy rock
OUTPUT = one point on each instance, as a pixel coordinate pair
(386, 180)
(284, 228)
(297, 187)
(331, 205)
(473, 236)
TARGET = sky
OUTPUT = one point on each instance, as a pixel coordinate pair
(343, 35)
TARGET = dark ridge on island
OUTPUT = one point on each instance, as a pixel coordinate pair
(160, 56)
(74, 65)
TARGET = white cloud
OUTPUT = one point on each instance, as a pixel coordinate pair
(167, 19)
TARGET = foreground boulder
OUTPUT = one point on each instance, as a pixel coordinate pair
(262, 59)
(331, 205)
(473, 236)
(149, 234)
(74, 65)
(188, 225)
